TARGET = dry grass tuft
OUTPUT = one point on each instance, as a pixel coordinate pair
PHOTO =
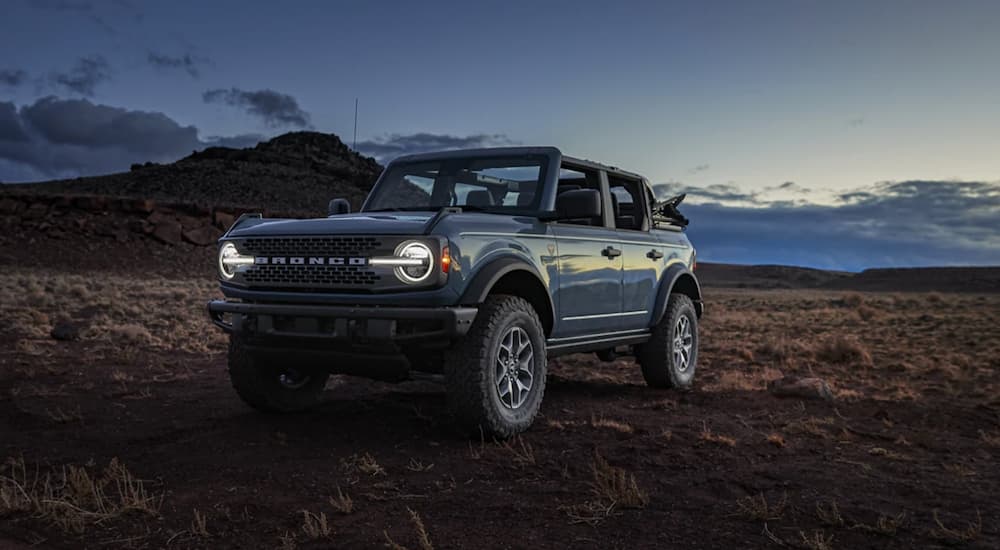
(992, 439)
(818, 541)
(342, 502)
(365, 464)
(707, 435)
(65, 417)
(615, 486)
(315, 526)
(969, 533)
(616, 425)
(758, 508)
(776, 439)
(423, 537)
(843, 350)
(886, 525)
(199, 525)
(523, 453)
(783, 350)
(72, 498)
(417, 466)
(829, 514)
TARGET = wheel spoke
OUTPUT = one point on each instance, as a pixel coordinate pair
(514, 367)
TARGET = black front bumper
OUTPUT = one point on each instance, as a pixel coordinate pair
(342, 323)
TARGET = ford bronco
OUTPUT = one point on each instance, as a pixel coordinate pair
(473, 266)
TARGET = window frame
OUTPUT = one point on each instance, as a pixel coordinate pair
(642, 204)
(607, 217)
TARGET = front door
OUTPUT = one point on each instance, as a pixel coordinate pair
(590, 279)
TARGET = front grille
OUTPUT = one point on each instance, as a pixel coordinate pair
(312, 277)
(311, 246)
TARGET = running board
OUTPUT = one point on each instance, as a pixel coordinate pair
(594, 342)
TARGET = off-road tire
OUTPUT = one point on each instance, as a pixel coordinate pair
(470, 371)
(256, 381)
(656, 357)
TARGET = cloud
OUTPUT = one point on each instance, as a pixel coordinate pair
(187, 62)
(391, 146)
(700, 168)
(55, 138)
(85, 75)
(275, 109)
(87, 9)
(13, 77)
(856, 122)
(720, 192)
(908, 223)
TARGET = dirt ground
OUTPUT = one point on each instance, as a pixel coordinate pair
(131, 436)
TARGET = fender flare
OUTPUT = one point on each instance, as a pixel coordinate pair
(671, 276)
(483, 280)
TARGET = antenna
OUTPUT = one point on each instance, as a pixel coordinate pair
(355, 144)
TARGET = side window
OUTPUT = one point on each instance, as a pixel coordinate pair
(626, 199)
(575, 179)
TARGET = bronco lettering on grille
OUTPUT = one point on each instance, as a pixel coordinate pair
(311, 260)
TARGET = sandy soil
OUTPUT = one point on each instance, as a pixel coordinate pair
(132, 437)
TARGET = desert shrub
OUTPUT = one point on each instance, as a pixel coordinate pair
(843, 350)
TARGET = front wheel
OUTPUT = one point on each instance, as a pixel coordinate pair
(496, 374)
(670, 356)
(270, 384)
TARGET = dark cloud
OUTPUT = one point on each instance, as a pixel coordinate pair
(906, 223)
(188, 63)
(86, 9)
(85, 75)
(720, 192)
(275, 109)
(396, 145)
(13, 77)
(10, 125)
(55, 137)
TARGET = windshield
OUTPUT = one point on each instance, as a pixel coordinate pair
(499, 184)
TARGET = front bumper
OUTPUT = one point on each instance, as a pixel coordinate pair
(342, 323)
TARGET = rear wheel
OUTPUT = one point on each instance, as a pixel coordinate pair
(496, 374)
(670, 356)
(270, 384)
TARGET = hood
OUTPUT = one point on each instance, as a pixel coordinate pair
(360, 223)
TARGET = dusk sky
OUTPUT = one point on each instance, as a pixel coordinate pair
(750, 106)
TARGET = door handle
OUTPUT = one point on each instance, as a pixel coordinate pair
(611, 252)
(654, 254)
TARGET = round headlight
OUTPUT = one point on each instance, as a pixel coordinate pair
(420, 271)
(227, 267)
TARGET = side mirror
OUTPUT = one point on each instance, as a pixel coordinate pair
(577, 204)
(339, 206)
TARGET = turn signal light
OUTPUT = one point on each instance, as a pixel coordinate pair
(445, 260)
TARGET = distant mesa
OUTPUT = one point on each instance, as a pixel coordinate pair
(293, 172)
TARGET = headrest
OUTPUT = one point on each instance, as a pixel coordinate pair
(579, 203)
(479, 198)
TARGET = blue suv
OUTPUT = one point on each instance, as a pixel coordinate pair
(470, 266)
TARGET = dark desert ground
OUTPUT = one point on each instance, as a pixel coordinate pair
(119, 428)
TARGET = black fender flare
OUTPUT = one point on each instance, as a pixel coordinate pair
(487, 277)
(674, 274)
(479, 287)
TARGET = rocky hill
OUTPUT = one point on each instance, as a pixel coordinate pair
(294, 172)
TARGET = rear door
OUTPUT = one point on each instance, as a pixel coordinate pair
(590, 264)
(643, 255)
